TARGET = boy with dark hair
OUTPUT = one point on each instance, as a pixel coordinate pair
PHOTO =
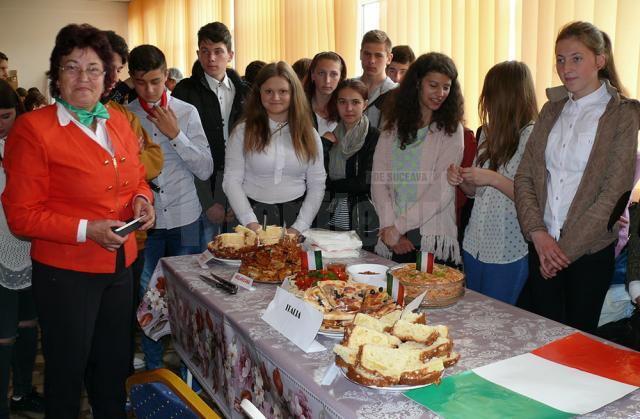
(122, 92)
(375, 55)
(403, 57)
(218, 94)
(175, 126)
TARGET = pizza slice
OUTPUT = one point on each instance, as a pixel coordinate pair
(317, 299)
(377, 300)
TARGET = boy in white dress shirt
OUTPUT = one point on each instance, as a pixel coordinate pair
(175, 126)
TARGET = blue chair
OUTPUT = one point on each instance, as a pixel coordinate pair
(162, 394)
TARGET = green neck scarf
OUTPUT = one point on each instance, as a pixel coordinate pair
(84, 116)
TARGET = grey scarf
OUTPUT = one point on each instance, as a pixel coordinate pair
(349, 143)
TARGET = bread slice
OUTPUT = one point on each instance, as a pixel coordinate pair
(450, 359)
(249, 235)
(356, 336)
(391, 318)
(442, 330)
(431, 372)
(229, 240)
(368, 378)
(420, 318)
(400, 366)
(370, 322)
(345, 356)
(440, 347)
(422, 333)
(270, 236)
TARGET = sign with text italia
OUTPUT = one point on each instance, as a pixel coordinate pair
(296, 320)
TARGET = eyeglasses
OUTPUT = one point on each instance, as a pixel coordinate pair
(74, 71)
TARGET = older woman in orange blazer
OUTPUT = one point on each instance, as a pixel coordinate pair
(73, 173)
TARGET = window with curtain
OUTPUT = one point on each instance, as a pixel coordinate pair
(476, 33)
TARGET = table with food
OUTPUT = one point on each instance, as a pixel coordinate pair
(374, 351)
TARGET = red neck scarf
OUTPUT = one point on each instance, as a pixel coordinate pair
(148, 109)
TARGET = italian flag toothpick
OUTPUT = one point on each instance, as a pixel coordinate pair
(311, 260)
(424, 262)
(395, 289)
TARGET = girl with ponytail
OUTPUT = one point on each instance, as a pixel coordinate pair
(578, 165)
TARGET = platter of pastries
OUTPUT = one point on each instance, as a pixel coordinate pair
(340, 301)
(272, 263)
(243, 240)
(393, 353)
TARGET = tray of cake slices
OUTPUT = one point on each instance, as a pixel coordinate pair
(395, 353)
(267, 255)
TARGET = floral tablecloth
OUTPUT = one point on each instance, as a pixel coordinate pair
(234, 354)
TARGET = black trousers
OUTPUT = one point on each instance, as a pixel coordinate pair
(86, 337)
(575, 295)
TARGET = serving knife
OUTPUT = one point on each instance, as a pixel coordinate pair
(221, 283)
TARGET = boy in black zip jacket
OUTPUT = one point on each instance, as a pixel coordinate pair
(218, 94)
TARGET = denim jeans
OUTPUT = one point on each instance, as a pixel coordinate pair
(207, 231)
(503, 282)
(177, 241)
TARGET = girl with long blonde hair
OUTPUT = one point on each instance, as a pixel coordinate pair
(273, 163)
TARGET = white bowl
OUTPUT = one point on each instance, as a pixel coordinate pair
(378, 279)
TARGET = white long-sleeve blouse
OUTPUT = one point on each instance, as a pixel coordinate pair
(273, 176)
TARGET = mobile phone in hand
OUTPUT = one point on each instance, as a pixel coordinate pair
(129, 227)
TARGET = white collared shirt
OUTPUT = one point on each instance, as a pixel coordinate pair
(185, 156)
(225, 91)
(568, 149)
(275, 175)
(325, 125)
(372, 111)
(100, 136)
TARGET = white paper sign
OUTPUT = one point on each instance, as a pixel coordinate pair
(296, 320)
(203, 258)
(243, 281)
(413, 305)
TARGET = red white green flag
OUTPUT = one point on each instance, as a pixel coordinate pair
(311, 260)
(424, 262)
(395, 289)
(572, 376)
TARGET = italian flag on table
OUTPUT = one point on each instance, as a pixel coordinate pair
(571, 376)
(395, 289)
(311, 260)
(424, 262)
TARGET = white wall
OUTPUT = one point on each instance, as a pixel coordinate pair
(29, 27)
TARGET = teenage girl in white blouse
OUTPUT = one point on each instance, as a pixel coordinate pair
(578, 164)
(273, 161)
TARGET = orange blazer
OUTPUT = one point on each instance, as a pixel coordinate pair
(57, 175)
